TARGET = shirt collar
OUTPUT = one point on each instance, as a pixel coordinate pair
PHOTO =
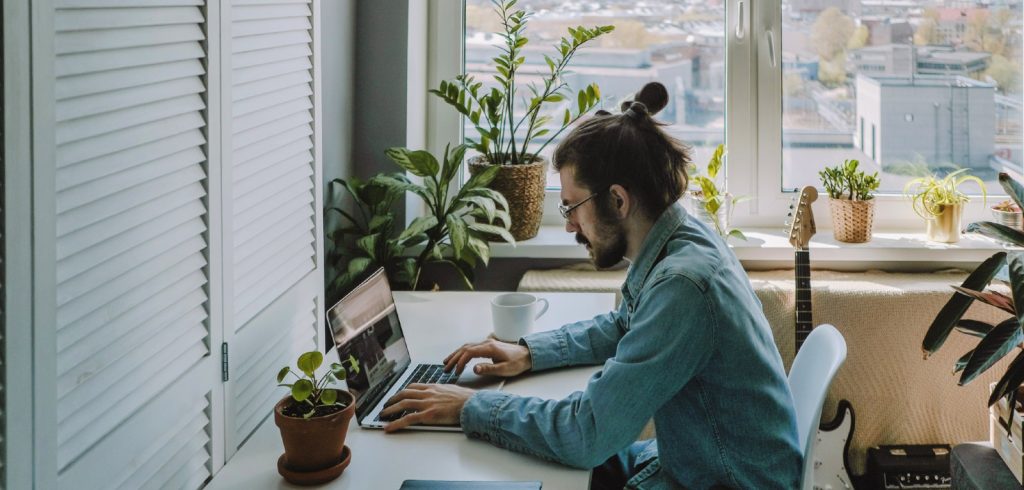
(654, 242)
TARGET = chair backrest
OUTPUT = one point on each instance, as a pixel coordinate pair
(809, 378)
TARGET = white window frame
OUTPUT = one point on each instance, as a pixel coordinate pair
(753, 87)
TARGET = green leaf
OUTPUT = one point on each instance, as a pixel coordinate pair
(418, 226)
(566, 118)
(282, 373)
(339, 371)
(420, 163)
(329, 397)
(992, 348)
(358, 265)
(487, 205)
(974, 328)
(955, 308)
(581, 101)
(480, 248)
(998, 232)
(368, 244)
(457, 233)
(302, 389)
(481, 178)
(1013, 188)
(738, 234)
(494, 230)
(309, 361)
(961, 363)
(1010, 381)
(378, 222)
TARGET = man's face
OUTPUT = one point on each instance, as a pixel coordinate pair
(601, 232)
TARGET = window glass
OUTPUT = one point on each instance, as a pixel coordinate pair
(927, 86)
(680, 44)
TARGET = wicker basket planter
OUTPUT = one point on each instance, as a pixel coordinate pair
(851, 220)
(523, 188)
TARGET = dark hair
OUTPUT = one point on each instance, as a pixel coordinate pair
(629, 149)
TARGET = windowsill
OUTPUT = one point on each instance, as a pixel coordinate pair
(767, 248)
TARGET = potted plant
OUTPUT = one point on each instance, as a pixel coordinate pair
(997, 341)
(711, 204)
(1007, 213)
(452, 233)
(940, 202)
(314, 420)
(850, 200)
(505, 134)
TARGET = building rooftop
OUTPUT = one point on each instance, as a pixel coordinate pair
(925, 81)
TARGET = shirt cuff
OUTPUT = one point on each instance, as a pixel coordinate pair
(480, 415)
(547, 349)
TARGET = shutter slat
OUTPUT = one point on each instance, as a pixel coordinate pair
(286, 211)
(253, 12)
(250, 59)
(297, 190)
(126, 201)
(110, 122)
(283, 246)
(269, 85)
(252, 300)
(122, 99)
(132, 37)
(268, 69)
(186, 143)
(256, 157)
(265, 41)
(244, 139)
(112, 18)
(272, 99)
(140, 277)
(123, 78)
(136, 305)
(67, 4)
(258, 400)
(76, 241)
(76, 264)
(263, 234)
(103, 187)
(259, 193)
(291, 166)
(187, 461)
(127, 58)
(106, 144)
(140, 438)
(269, 26)
(272, 114)
(180, 435)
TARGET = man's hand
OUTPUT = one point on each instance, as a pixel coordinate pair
(506, 359)
(430, 404)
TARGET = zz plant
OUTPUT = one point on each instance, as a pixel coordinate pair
(492, 111)
(997, 341)
(312, 395)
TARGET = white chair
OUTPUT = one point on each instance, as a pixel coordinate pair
(809, 378)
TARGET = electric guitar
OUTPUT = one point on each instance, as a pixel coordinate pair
(833, 444)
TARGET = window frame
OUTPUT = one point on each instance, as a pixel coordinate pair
(753, 86)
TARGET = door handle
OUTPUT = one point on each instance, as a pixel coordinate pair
(771, 48)
(741, 28)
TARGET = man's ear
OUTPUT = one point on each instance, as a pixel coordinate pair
(622, 201)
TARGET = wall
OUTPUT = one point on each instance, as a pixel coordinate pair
(338, 41)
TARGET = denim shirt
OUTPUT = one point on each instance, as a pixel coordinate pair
(688, 346)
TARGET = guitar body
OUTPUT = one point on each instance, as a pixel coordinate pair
(833, 446)
(830, 453)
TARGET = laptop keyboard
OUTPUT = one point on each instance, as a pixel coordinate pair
(427, 374)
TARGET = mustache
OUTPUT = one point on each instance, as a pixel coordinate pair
(580, 239)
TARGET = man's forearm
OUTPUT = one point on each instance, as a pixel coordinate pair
(587, 342)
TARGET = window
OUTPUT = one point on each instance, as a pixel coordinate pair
(794, 85)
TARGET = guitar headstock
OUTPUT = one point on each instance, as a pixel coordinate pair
(800, 223)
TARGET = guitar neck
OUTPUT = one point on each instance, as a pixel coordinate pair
(803, 297)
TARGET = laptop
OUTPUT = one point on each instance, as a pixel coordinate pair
(365, 325)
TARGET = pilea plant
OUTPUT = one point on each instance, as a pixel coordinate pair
(312, 395)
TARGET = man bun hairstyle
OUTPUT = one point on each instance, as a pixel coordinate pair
(630, 149)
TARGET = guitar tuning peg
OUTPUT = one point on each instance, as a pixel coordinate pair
(791, 206)
(789, 215)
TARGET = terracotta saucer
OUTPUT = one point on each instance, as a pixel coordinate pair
(314, 477)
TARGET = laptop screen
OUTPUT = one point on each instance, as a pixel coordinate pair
(365, 325)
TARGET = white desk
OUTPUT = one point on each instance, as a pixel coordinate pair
(434, 324)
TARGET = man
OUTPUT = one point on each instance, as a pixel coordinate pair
(688, 346)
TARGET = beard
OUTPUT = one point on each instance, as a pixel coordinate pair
(610, 247)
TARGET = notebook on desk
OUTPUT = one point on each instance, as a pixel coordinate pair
(469, 485)
(366, 326)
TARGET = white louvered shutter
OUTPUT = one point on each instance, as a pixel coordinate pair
(276, 284)
(135, 381)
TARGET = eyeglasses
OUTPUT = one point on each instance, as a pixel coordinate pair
(565, 209)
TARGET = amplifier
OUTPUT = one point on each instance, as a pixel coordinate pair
(924, 466)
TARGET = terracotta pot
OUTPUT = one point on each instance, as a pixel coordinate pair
(945, 226)
(523, 188)
(315, 443)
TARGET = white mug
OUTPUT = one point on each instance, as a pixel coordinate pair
(513, 314)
